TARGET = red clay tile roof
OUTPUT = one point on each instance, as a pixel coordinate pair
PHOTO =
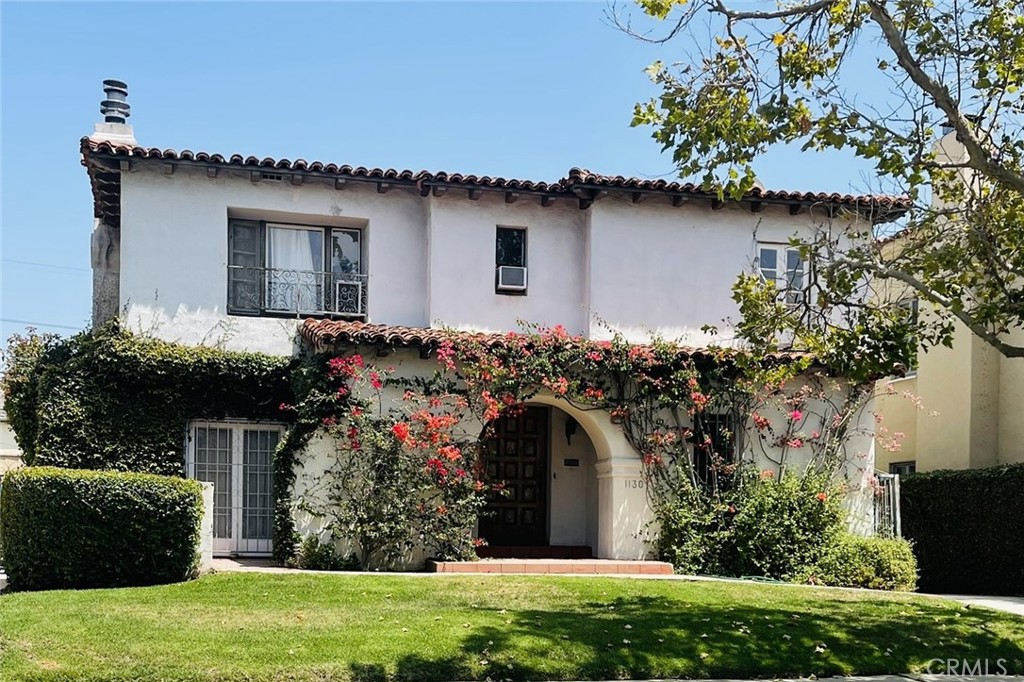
(103, 158)
(325, 335)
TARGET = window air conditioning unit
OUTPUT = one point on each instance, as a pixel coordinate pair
(511, 278)
(348, 297)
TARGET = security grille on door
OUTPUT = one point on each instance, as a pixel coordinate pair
(236, 458)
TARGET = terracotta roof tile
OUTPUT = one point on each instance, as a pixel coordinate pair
(97, 155)
(325, 335)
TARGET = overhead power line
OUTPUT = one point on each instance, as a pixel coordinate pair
(45, 265)
(39, 324)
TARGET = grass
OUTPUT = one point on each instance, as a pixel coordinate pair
(250, 626)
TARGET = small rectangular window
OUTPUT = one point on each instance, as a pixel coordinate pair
(510, 247)
(903, 468)
(783, 266)
(510, 261)
(714, 447)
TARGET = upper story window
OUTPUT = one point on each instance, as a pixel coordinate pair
(909, 308)
(782, 265)
(510, 260)
(278, 268)
(903, 468)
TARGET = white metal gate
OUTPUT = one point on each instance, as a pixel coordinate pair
(887, 506)
(237, 459)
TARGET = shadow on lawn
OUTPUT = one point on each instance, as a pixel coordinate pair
(666, 639)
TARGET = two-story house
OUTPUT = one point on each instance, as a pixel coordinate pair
(273, 254)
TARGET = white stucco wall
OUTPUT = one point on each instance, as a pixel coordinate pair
(461, 263)
(655, 267)
(640, 267)
(603, 503)
(10, 454)
(174, 251)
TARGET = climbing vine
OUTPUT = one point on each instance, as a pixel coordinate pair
(406, 469)
(684, 413)
(114, 399)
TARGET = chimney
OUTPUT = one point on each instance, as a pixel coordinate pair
(115, 110)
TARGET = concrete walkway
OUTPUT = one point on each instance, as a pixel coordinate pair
(881, 678)
(1008, 604)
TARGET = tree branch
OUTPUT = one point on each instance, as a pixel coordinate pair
(980, 158)
(720, 8)
(1006, 349)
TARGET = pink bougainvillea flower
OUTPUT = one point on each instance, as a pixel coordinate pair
(796, 415)
(449, 452)
(401, 431)
(821, 497)
(375, 380)
(766, 474)
(795, 443)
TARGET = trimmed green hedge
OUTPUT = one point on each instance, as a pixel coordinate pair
(67, 528)
(966, 529)
(871, 562)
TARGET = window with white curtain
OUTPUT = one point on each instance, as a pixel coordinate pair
(279, 268)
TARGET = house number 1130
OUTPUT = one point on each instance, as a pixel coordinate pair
(633, 483)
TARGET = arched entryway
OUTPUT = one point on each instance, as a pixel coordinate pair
(548, 464)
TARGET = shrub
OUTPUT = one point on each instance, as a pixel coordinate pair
(781, 527)
(314, 555)
(689, 531)
(961, 527)
(65, 528)
(762, 526)
(872, 562)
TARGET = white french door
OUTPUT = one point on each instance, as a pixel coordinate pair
(237, 459)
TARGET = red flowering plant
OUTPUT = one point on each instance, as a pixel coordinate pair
(403, 474)
(696, 419)
(700, 422)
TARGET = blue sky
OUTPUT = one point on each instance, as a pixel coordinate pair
(515, 89)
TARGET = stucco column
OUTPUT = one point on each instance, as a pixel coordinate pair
(623, 514)
(106, 272)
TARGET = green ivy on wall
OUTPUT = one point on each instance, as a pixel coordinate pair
(112, 399)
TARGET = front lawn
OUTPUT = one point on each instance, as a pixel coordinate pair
(250, 626)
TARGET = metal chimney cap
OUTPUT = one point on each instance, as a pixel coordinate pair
(115, 108)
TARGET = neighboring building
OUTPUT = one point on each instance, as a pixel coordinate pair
(244, 252)
(961, 408)
(10, 455)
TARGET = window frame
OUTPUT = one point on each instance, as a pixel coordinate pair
(525, 258)
(232, 545)
(701, 458)
(790, 297)
(912, 308)
(263, 266)
(895, 467)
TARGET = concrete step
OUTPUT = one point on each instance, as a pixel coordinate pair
(553, 567)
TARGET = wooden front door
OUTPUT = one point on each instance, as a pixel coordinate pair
(517, 455)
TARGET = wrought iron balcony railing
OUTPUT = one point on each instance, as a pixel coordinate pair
(255, 291)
